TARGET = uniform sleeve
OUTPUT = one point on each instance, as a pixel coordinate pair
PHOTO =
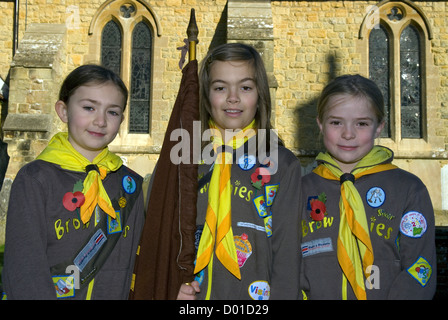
(26, 273)
(285, 235)
(417, 279)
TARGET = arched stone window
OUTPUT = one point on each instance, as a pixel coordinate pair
(125, 36)
(395, 45)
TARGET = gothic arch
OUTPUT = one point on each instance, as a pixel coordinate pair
(377, 11)
(127, 14)
(394, 17)
(109, 8)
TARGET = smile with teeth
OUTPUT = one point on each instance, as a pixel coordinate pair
(232, 111)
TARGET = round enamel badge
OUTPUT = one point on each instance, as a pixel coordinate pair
(413, 224)
(247, 162)
(129, 184)
(375, 197)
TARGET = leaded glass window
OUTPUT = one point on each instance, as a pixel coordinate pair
(410, 78)
(111, 47)
(140, 79)
(379, 69)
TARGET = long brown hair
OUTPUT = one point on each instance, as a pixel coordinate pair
(235, 52)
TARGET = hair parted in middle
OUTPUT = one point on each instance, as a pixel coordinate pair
(236, 52)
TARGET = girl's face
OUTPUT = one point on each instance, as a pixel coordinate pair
(233, 94)
(93, 116)
(349, 128)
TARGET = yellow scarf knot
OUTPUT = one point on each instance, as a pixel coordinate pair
(60, 151)
(354, 248)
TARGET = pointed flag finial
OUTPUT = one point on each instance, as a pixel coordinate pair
(192, 33)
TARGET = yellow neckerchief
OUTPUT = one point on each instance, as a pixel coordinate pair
(61, 152)
(218, 225)
(354, 238)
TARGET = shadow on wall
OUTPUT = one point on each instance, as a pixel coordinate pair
(308, 133)
(4, 160)
(220, 34)
(4, 157)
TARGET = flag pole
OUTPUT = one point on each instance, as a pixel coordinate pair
(192, 33)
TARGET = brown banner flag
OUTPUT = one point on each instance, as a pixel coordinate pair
(166, 256)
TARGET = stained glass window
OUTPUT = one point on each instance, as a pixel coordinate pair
(410, 83)
(379, 69)
(111, 47)
(140, 79)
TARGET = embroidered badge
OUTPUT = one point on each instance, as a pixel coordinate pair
(114, 225)
(268, 225)
(249, 225)
(421, 271)
(260, 206)
(64, 286)
(197, 236)
(264, 212)
(316, 246)
(259, 290)
(90, 249)
(317, 206)
(129, 184)
(413, 224)
(199, 277)
(375, 197)
(247, 162)
(243, 249)
(270, 192)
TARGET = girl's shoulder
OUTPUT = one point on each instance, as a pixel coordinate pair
(38, 167)
(284, 162)
(44, 172)
(38, 173)
(402, 177)
(286, 156)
